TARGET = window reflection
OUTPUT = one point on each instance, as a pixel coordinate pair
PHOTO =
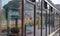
(38, 20)
(10, 22)
(29, 18)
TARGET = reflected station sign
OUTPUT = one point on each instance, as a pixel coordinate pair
(14, 13)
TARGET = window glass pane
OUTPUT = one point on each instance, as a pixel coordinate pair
(56, 20)
(48, 17)
(4, 21)
(29, 19)
(44, 19)
(44, 22)
(52, 21)
(11, 17)
(38, 21)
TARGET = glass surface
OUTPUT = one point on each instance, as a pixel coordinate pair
(4, 21)
(48, 17)
(44, 22)
(14, 8)
(52, 21)
(38, 21)
(7, 21)
(29, 19)
(56, 20)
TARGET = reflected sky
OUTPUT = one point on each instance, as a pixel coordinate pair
(56, 1)
(5, 2)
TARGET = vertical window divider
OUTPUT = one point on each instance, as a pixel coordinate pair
(8, 23)
(35, 19)
(22, 18)
(41, 16)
